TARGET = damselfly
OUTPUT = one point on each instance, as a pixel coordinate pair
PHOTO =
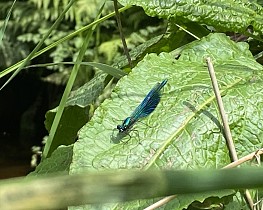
(146, 107)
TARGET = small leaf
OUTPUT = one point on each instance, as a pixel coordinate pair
(73, 118)
(58, 162)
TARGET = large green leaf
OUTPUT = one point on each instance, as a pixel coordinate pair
(188, 89)
(184, 132)
(226, 15)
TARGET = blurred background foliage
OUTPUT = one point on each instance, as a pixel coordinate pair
(31, 19)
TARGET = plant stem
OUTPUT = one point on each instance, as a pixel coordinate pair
(125, 48)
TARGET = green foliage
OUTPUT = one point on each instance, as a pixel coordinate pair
(66, 132)
(237, 203)
(28, 30)
(185, 122)
(59, 162)
(83, 11)
(184, 132)
(224, 15)
(186, 117)
(103, 187)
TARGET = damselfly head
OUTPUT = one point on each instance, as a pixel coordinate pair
(120, 128)
(125, 125)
